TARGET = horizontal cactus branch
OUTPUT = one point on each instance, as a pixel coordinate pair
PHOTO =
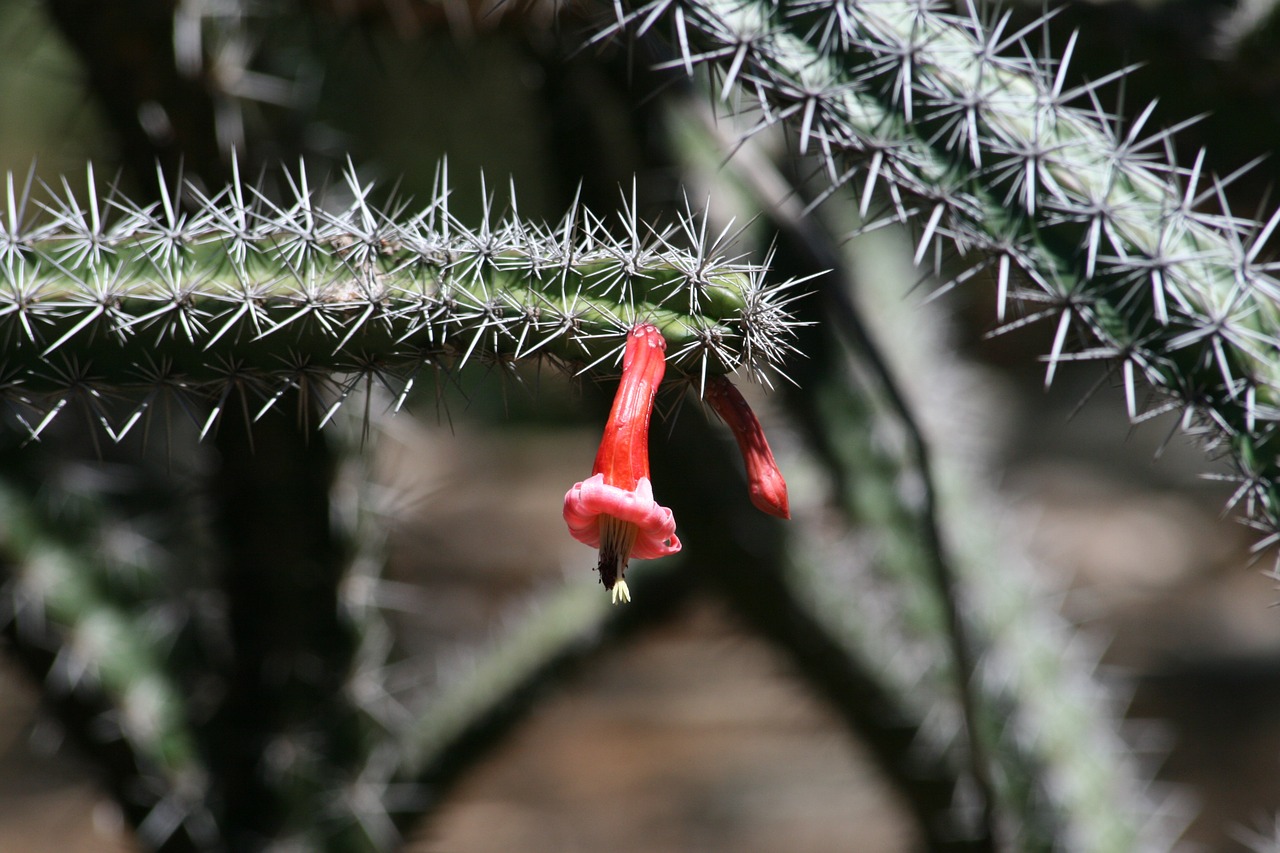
(946, 121)
(104, 297)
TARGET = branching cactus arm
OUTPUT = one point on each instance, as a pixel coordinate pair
(102, 296)
(944, 120)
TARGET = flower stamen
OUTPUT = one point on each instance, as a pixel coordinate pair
(617, 539)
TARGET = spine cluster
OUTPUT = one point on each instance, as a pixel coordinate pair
(951, 123)
(104, 298)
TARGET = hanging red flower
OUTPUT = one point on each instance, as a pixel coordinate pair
(614, 509)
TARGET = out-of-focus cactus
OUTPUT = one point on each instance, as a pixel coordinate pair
(94, 609)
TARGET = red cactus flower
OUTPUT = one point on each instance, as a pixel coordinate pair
(614, 509)
(764, 481)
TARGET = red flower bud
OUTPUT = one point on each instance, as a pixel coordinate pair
(764, 481)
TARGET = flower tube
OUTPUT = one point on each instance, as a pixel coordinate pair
(614, 509)
(765, 483)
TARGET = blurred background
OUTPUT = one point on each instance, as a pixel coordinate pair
(695, 734)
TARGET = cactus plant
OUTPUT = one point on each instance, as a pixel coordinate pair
(220, 297)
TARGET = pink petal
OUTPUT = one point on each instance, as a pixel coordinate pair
(588, 500)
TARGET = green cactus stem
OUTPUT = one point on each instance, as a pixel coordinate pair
(246, 294)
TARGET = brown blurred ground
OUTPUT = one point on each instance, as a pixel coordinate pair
(694, 738)
(697, 737)
(48, 800)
